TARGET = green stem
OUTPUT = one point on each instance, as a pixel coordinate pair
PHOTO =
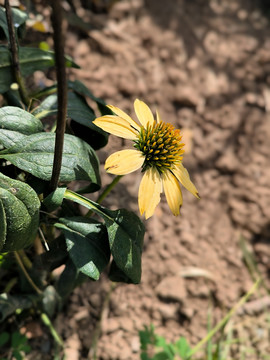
(54, 333)
(79, 199)
(25, 259)
(10, 285)
(108, 189)
(15, 56)
(105, 192)
(44, 93)
(225, 319)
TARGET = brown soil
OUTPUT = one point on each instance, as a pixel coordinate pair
(206, 66)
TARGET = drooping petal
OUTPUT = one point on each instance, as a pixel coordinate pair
(125, 116)
(124, 162)
(117, 126)
(149, 192)
(172, 192)
(183, 176)
(158, 117)
(144, 114)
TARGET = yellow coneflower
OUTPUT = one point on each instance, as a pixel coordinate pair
(158, 151)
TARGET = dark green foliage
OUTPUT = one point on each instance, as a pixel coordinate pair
(30, 212)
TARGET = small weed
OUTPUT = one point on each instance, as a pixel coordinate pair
(17, 343)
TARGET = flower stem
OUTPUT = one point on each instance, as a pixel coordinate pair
(54, 333)
(61, 91)
(105, 192)
(108, 189)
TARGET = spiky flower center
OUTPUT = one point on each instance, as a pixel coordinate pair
(161, 146)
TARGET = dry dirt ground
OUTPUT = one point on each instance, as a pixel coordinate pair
(206, 66)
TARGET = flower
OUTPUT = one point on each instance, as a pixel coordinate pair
(158, 151)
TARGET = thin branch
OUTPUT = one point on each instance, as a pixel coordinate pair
(14, 55)
(61, 90)
(29, 279)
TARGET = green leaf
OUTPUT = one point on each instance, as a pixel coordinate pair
(4, 337)
(35, 155)
(17, 339)
(54, 199)
(163, 356)
(69, 279)
(16, 119)
(10, 303)
(126, 232)
(182, 347)
(82, 125)
(15, 123)
(48, 106)
(17, 354)
(81, 89)
(8, 138)
(50, 300)
(21, 214)
(31, 59)
(19, 19)
(147, 336)
(3, 225)
(82, 116)
(87, 244)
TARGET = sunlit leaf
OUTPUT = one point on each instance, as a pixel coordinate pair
(21, 121)
(35, 155)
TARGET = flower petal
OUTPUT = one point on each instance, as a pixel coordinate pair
(117, 126)
(124, 162)
(183, 176)
(173, 192)
(125, 116)
(149, 192)
(144, 114)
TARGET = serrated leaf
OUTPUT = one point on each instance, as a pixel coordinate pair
(21, 213)
(35, 155)
(125, 231)
(182, 347)
(31, 59)
(87, 244)
(19, 19)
